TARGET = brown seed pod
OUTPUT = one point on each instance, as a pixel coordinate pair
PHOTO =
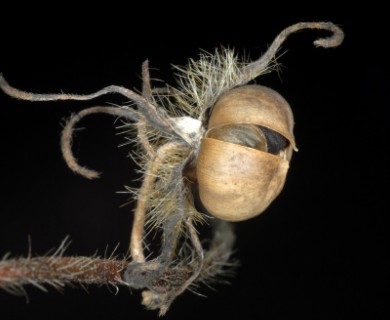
(244, 156)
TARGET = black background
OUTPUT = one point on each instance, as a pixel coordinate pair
(320, 251)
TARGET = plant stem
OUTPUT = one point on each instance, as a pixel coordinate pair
(59, 271)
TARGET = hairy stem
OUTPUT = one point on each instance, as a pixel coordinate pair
(67, 136)
(196, 271)
(136, 248)
(141, 124)
(155, 115)
(257, 67)
(59, 271)
(146, 87)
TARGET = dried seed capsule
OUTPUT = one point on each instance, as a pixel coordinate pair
(244, 157)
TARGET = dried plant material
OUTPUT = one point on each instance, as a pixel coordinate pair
(173, 126)
(57, 271)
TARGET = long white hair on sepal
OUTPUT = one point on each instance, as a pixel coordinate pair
(202, 81)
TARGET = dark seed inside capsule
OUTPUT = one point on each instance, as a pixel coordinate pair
(249, 135)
